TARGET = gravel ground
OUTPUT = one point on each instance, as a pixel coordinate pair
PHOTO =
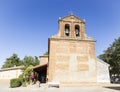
(4, 87)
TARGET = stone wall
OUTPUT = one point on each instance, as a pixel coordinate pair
(43, 60)
(72, 61)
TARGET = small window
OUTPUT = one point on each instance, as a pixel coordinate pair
(67, 30)
(77, 31)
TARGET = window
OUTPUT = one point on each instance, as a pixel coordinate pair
(67, 30)
(77, 30)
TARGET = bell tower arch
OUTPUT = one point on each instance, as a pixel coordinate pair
(71, 27)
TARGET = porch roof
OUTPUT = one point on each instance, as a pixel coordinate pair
(39, 68)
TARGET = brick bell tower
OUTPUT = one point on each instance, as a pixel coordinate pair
(71, 27)
(71, 53)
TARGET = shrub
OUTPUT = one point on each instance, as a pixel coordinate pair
(21, 78)
(17, 82)
(24, 84)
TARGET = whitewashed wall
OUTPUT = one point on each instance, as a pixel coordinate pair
(9, 73)
(102, 71)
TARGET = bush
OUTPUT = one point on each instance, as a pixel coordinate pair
(21, 75)
(24, 84)
(17, 82)
(21, 78)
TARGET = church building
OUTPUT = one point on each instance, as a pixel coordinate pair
(71, 56)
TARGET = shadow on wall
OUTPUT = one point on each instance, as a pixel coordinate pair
(114, 88)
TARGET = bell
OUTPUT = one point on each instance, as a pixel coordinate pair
(76, 31)
(66, 31)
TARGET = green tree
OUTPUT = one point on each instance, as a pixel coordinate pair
(112, 56)
(36, 61)
(28, 71)
(29, 60)
(12, 61)
(46, 53)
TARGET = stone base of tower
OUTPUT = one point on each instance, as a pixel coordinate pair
(100, 77)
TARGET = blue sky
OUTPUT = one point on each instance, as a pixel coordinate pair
(26, 25)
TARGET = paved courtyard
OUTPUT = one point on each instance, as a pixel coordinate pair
(4, 87)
